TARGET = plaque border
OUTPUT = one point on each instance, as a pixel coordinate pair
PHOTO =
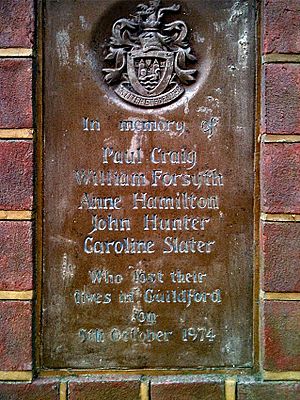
(38, 99)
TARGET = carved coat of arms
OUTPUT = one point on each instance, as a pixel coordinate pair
(149, 57)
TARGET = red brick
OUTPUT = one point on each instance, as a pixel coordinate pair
(17, 23)
(15, 343)
(103, 390)
(280, 178)
(282, 26)
(281, 255)
(16, 180)
(38, 390)
(187, 389)
(15, 255)
(269, 390)
(281, 100)
(16, 93)
(281, 335)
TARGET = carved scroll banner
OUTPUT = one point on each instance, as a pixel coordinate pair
(148, 124)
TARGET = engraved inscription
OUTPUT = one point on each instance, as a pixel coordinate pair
(148, 185)
(90, 124)
(141, 200)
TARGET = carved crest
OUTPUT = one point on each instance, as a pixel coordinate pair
(149, 57)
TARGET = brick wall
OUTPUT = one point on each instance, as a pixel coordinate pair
(280, 201)
(278, 375)
(16, 190)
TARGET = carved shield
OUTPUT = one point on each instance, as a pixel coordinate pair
(150, 73)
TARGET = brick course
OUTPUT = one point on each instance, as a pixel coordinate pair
(16, 175)
(15, 344)
(16, 93)
(17, 23)
(183, 390)
(280, 178)
(281, 26)
(103, 390)
(281, 99)
(38, 390)
(269, 390)
(280, 256)
(281, 335)
(15, 255)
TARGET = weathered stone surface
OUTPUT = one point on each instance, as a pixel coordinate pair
(103, 390)
(281, 335)
(281, 26)
(40, 389)
(268, 390)
(15, 343)
(280, 178)
(16, 175)
(281, 99)
(281, 255)
(187, 389)
(16, 93)
(16, 255)
(17, 23)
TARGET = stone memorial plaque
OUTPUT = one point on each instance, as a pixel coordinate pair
(148, 183)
